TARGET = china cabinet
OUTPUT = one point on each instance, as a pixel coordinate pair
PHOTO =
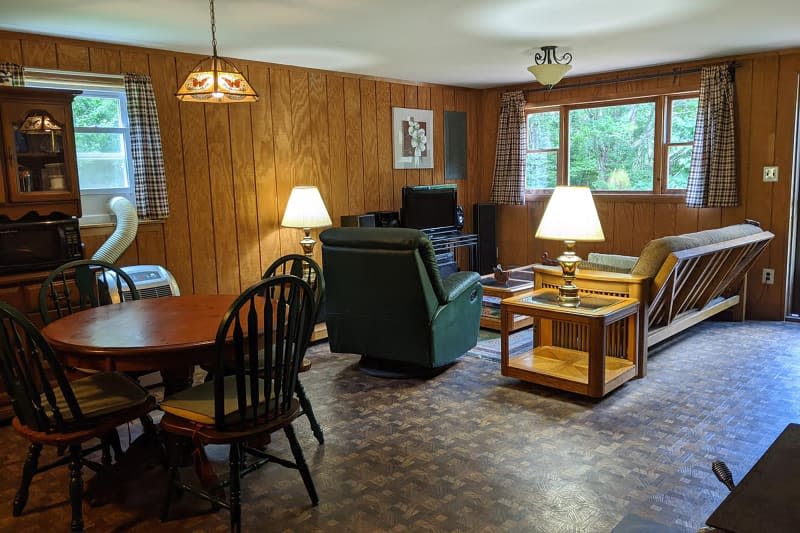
(39, 170)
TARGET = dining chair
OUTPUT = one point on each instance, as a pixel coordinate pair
(305, 268)
(244, 403)
(82, 284)
(52, 411)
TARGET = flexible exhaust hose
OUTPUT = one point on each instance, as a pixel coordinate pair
(124, 233)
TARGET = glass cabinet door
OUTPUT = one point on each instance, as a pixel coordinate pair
(36, 156)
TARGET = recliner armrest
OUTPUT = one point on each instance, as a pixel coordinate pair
(459, 282)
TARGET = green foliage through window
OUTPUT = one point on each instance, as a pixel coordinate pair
(100, 141)
(612, 147)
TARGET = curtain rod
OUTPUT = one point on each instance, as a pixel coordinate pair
(674, 72)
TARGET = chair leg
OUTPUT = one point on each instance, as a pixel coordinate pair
(28, 471)
(76, 488)
(309, 411)
(110, 442)
(235, 460)
(301, 463)
(176, 450)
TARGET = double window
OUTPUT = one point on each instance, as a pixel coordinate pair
(102, 137)
(641, 145)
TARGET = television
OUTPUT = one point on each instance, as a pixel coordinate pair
(429, 206)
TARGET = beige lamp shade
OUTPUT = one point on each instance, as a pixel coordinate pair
(549, 73)
(216, 81)
(570, 215)
(305, 209)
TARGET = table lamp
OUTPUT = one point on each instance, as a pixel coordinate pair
(570, 216)
(305, 209)
(40, 122)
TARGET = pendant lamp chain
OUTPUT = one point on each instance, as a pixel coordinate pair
(213, 29)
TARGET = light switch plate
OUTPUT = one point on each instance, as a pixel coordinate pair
(770, 174)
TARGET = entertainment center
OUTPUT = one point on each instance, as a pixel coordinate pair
(434, 210)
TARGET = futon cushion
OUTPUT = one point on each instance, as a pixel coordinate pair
(657, 250)
(101, 394)
(197, 403)
(609, 263)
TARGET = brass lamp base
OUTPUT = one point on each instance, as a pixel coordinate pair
(308, 243)
(568, 293)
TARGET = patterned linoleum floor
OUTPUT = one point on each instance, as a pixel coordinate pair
(470, 450)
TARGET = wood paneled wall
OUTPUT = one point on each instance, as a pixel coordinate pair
(766, 107)
(230, 168)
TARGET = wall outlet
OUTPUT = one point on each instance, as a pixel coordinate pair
(768, 276)
(770, 174)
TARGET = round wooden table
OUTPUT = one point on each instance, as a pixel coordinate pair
(169, 334)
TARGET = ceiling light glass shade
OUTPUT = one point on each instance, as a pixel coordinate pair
(549, 73)
(39, 121)
(570, 215)
(215, 80)
(305, 209)
(549, 68)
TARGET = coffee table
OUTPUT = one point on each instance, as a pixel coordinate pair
(590, 349)
(520, 282)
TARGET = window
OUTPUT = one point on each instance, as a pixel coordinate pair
(641, 145)
(102, 137)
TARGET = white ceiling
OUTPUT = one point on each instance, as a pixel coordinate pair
(472, 43)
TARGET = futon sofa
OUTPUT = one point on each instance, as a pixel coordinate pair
(387, 301)
(679, 280)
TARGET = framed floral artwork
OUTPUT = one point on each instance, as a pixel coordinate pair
(412, 137)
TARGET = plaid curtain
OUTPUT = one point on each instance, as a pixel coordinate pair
(712, 177)
(13, 72)
(149, 177)
(508, 186)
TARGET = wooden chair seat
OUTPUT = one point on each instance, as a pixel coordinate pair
(196, 404)
(100, 394)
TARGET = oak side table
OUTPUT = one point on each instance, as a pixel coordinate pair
(589, 349)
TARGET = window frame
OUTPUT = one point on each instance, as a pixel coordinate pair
(663, 106)
(94, 202)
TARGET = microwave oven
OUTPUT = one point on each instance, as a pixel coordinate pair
(35, 246)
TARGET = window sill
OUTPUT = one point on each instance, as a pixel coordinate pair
(643, 197)
(113, 224)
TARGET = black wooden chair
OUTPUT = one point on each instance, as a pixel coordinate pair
(52, 411)
(309, 271)
(82, 284)
(251, 395)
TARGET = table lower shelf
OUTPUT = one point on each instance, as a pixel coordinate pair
(566, 369)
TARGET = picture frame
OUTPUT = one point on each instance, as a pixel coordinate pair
(412, 138)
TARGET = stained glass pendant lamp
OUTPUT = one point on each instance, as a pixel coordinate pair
(215, 80)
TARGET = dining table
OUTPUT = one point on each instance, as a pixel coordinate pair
(170, 335)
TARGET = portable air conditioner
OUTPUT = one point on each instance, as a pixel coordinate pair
(152, 281)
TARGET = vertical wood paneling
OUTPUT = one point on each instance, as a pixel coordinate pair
(107, 61)
(663, 220)
(135, 61)
(643, 222)
(354, 148)
(73, 57)
(319, 142)
(150, 246)
(437, 105)
(38, 53)
(245, 195)
(176, 228)
(369, 135)
(10, 50)
(198, 190)
(280, 89)
(743, 102)
(338, 145)
(264, 166)
(218, 140)
(383, 122)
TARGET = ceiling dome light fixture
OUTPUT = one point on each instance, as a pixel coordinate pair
(215, 80)
(549, 68)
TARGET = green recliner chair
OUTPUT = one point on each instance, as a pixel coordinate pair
(387, 302)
